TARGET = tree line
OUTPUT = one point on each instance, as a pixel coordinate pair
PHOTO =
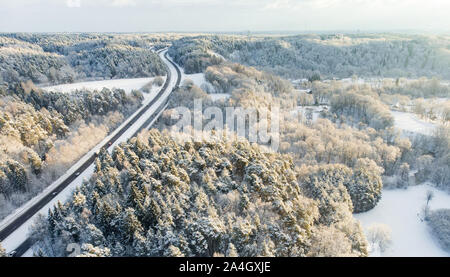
(63, 58)
(322, 56)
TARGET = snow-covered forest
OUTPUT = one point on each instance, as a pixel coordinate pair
(60, 58)
(345, 141)
(155, 196)
(355, 131)
(322, 56)
(42, 133)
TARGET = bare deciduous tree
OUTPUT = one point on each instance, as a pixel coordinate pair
(379, 236)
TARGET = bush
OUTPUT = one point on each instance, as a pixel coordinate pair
(379, 235)
(158, 81)
(439, 221)
(148, 87)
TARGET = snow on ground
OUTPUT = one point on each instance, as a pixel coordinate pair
(147, 98)
(410, 122)
(304, 109)
(126, 84)
(19, 235)
(200, 81)
(299, 81)
(153, 92)
(197, 78)
(219, 96)
(401, 209)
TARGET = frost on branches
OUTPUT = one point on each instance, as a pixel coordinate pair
(157, 197)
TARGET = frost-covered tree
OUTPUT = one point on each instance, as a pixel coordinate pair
(329, 242)
(159, 196)
(65, 58)
(365, 185)
(327, 56)
(403, 174)
(379, 236)
(158, 81)
(358, 108)
(42, 133)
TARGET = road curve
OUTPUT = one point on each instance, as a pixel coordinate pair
(31, 211)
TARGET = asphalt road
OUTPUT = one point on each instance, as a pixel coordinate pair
(14, 225)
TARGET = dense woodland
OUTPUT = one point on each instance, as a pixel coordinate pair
(363, 155)
(43, 133)
(357, 125)
(55, 59)
(322, 56)
(162, 195)
(157, 197)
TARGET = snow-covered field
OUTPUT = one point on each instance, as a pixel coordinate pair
(411, 123)
(401, 210)
(126, 84)
(200, 81)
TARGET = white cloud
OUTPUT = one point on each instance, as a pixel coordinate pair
(294, 5)
(104, 3)
(73, 3)
(323, 4)
(123, 3)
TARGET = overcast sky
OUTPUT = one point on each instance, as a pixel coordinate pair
(222, 15)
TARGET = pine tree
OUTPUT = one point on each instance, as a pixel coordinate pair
(200, 199)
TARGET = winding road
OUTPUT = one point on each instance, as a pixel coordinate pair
(14, 229)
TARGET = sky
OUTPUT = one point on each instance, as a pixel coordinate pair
(223, 15)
